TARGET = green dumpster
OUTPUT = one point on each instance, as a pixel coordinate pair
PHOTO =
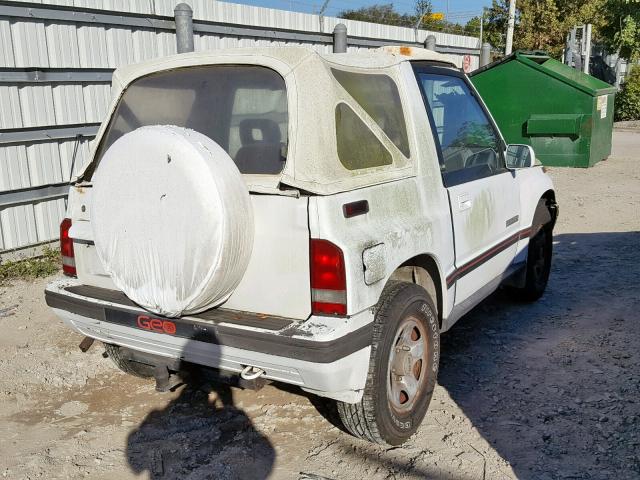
(564, 114)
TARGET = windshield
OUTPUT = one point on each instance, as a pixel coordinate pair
(242, 107)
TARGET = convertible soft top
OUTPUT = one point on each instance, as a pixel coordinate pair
(312, 94)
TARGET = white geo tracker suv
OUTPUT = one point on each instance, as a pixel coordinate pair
(275, 214)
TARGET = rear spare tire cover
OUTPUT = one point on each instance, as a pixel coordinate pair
(172, 219)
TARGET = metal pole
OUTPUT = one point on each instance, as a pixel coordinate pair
(417, 26)
(579, 49)
(321, 14)
(481, 25)
(572, 47)
(510, 26)
(618, 69)
(340, 38)
(587, 48)
(184, 27)
(485, 54)
(430, 43)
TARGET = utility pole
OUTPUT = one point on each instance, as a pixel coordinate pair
(587, 48)
(510, 27)
(323, 8)
(481, 25)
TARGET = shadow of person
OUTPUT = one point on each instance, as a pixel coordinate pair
(200, 433)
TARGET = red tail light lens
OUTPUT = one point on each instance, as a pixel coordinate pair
(328, 279)
(66, 249)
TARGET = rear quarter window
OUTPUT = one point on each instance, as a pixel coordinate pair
(358, 147)
(378, 95)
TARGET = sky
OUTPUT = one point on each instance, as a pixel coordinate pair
(460, 10)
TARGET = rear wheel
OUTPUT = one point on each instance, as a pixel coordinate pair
(127, 366)
(403, 368)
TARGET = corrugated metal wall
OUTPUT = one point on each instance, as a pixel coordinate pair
(55, 64)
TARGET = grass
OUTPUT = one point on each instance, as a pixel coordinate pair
(42, 266)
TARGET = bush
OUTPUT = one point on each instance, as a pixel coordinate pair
(46, 264)
(628, 98)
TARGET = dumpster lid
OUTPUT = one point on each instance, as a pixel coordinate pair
(541, 61)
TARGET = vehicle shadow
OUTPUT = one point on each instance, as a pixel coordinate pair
(200, 434)
(553, 385)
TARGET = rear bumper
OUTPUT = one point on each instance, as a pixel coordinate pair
(327, 356)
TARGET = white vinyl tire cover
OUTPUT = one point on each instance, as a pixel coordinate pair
(172, 219)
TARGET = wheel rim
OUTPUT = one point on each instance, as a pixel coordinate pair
(407, 365)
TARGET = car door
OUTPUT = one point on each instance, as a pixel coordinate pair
(483, 194)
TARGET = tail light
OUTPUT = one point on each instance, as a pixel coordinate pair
(66, 249)
(328, 279)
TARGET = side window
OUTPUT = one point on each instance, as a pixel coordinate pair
(358, 147)
(378, 96)
(470, 146)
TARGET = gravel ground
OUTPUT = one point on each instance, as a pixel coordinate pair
(540, 391)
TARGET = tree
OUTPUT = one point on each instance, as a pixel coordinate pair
(472, 27)
(424, 8)
(539, 27)
(386, 14)
(495, 23)
(579, 12)
(380, 13)
(622, 30)
(544, 24)
(628, 100)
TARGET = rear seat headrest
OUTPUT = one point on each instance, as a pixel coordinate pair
(269, 129)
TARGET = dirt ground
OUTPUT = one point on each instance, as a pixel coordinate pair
(535, 391)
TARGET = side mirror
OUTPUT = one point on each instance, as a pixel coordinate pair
(520, 156)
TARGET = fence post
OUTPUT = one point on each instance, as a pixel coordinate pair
(183, 15)
(340, 38)
(430, 43)
(485, 54)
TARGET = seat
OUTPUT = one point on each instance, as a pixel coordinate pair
(261, 150)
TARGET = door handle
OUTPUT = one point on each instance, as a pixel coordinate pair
(464, 201)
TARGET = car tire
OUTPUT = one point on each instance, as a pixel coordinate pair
(403, 367)
(538, 267)
(127, 366)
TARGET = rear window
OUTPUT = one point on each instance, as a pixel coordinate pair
(242, 107)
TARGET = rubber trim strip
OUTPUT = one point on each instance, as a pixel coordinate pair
(281, 345)
(215, 315)
(471, 265)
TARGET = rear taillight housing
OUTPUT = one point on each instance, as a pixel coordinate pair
(66, 249)
(328, 279)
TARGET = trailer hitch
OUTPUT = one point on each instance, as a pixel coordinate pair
(86, 343)
(166, 380)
